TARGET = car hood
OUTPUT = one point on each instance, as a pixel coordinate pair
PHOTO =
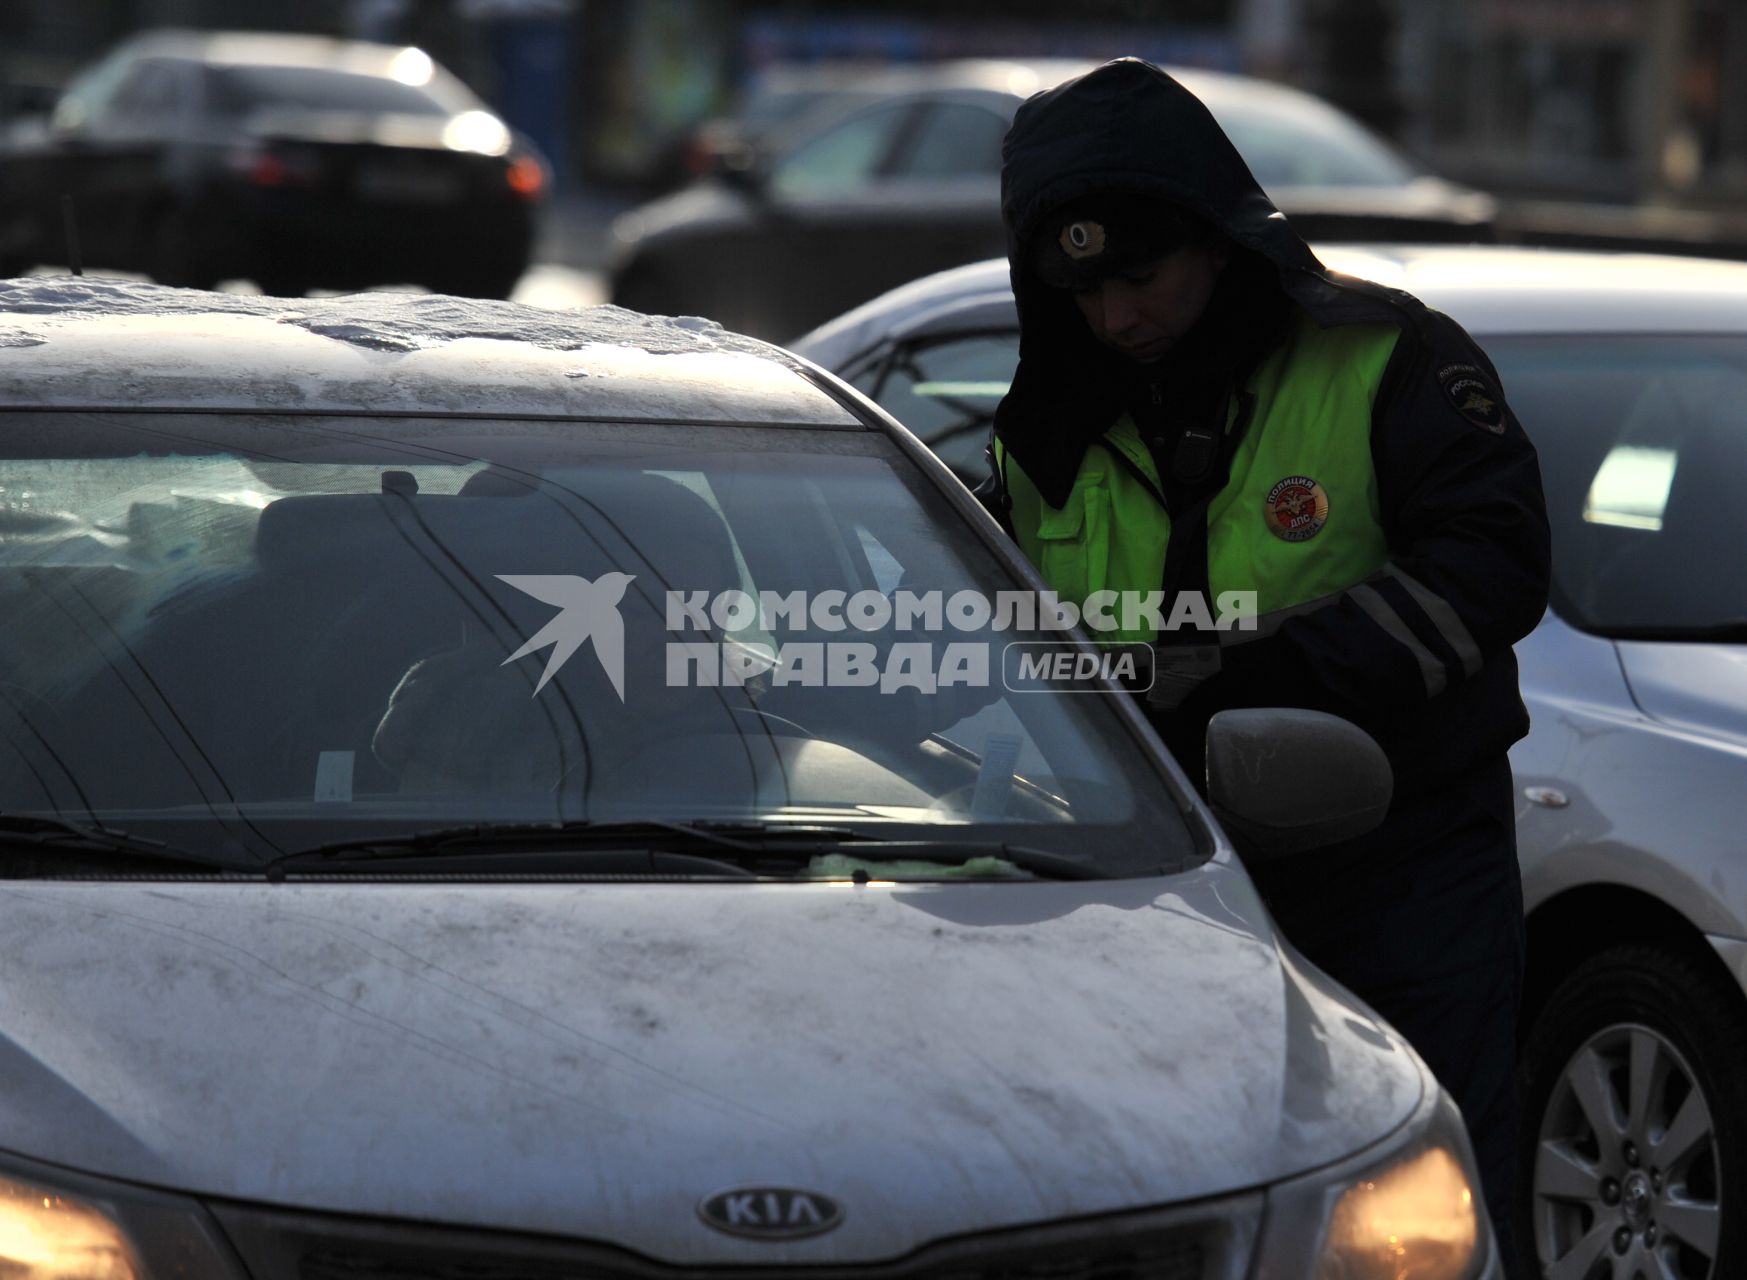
(1700, 687)
(594, 1060)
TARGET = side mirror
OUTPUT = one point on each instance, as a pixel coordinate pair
(1282, 781)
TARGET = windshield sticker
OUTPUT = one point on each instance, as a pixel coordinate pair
(333, 777)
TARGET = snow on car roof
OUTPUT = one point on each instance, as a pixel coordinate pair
(84, 342)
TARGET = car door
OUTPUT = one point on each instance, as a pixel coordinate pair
(43, 164)
(941, 192)
(892, 193)
(816, 244)
(118, 162)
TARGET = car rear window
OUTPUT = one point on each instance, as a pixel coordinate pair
(249, 634)
(1643, 447)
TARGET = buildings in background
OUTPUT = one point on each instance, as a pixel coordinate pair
(1626, 100)
(1615, 100)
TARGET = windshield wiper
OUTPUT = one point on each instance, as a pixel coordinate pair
(32, 831)
(745, 841)
(652, 846)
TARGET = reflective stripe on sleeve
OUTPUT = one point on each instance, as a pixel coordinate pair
(1372, 602)
(1444, 617)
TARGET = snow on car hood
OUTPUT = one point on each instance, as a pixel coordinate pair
(593, 1061)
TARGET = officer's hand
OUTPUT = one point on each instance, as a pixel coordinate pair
(1178, 671)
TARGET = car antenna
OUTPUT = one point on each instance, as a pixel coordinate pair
(71, 224)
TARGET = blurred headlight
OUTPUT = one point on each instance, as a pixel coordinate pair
(56, 1225)
(1416, 1219)
(412, 66)
(47, 1236)
(478, 131)
(1407, 1209)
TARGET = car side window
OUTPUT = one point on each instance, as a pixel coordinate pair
(152, 93)
(953, 139)
(946, 390)
(841, 158)
(89, 95)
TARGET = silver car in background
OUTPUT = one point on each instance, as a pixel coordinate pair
(1630, 374)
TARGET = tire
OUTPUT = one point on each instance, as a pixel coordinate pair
(1634, 1159)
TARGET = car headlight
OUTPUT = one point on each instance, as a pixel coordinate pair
(1409, 1210)
(1417, 1217)
(45, 1236)
(60, 1226)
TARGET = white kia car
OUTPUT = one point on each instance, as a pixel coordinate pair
(1630, 374)
(419, 864)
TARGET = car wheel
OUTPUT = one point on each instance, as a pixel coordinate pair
(176, 256)
(1638, 1111)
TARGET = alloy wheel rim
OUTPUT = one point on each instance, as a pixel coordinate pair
(1626, 1177)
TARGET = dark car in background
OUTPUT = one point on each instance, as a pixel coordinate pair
(783, 99)
(294, 161)
(899, 175)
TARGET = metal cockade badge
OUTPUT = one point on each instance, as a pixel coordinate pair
(1082, 239)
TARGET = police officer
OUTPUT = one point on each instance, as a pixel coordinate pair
(1200, 406)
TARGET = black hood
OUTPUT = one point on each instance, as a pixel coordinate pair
(1129, 127)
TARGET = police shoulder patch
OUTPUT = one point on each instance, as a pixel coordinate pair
(1471, 393)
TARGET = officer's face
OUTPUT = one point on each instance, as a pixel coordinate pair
(1144, 313)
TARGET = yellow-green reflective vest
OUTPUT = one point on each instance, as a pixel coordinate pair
(1297, 521)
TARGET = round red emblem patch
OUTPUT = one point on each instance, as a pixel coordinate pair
(1296, 509)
